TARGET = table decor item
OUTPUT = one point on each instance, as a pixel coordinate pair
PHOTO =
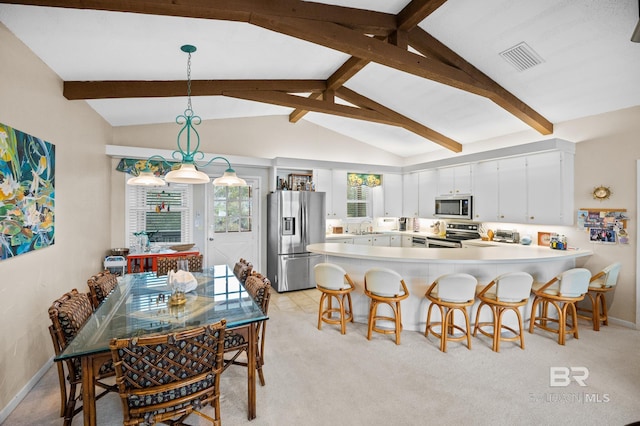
(181, 247)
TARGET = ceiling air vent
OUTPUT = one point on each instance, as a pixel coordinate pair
(522, 57)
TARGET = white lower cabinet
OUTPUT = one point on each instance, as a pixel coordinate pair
(340, 240)
(395, 241)
(381, 240)
(407, 241)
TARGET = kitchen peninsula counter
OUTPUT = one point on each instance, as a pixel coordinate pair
(419, 267)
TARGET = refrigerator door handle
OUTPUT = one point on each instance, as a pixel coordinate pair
(303, 222)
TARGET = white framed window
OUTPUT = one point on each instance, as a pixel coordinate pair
(164, 213)
(232, 208)
(359, 201)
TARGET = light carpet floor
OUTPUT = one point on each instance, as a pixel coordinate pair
(325, 378)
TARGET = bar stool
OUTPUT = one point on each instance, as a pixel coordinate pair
(600, 284)
(563, 292)
(512, 291)
(334, 282)
(386, 286)
(451, 292)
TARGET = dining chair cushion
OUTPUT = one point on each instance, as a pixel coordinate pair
(457, 287)
(384, 282)
(609, 277)
(331, 276)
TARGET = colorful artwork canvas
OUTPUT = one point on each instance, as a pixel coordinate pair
(27, 193)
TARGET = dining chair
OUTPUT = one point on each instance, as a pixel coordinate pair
(507, 292)
(242, 269)
(451, 293)
(563, 292)
(68, 314)
(385, 286)
(334, 282)
(166, 264)
(600, 284)
(100, 285)
(236, 340)
(171, 375)
(195, 262)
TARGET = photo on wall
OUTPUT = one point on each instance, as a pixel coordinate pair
(27, 193)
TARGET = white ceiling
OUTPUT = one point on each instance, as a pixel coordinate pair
(590, 65)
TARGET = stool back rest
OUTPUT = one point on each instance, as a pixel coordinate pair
(513, 286)
(457, 287)
(383, 282)
(611, 273)
(330, 276)
(574, 282)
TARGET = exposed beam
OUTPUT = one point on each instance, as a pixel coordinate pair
(366, 21)
(355, 44)
(74, 90)
(401, 121)
(429, 46)
(337, 79)
(415, 12)
(293, 101)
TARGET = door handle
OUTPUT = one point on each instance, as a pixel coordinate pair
(210, 239)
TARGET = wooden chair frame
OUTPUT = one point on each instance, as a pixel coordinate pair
(161, 393)
(69, 370)
(100, 285)
(325, 314)
(237, 339)
(498, 309)
(447, 324)
(394, 303)
(597, 295)
(564, 305)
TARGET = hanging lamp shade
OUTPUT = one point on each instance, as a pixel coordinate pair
(146, 179)
(229, 178)
(187, 173)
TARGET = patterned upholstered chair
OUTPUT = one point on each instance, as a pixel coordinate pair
(68, 314)
(242, 269)
(170, 263)
(185, 376)
(237, 339)
(100, 285)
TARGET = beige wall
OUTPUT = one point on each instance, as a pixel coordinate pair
(31, 101)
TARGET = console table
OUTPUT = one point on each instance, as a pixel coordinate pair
(148, 262)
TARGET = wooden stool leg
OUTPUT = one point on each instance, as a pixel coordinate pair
(372, 313)
(562, 324)
(532, 319)
(605, 316)
(398, 322)
(574, 315)
(444, 331)
(520, 326)
(497, 327)
(350, 307)
(343, 326)
(468, 329)
(321, 310)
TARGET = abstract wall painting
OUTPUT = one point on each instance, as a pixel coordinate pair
(27, 193)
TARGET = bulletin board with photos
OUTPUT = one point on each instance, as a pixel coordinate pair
(605, 226)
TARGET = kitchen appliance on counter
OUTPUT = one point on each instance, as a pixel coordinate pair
(455, 234)
(454, 207)
(402, 223)
(505, 236)
(295, 219)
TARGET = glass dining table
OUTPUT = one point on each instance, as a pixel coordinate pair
(139, 306)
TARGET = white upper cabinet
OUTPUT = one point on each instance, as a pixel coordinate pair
(410, 195)
(454, 180)
(334, 183)
(512, 190)
(485, 191)
(550, 188)
(427, 184)
(392, 188)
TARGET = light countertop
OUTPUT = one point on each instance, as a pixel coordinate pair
(484, 252)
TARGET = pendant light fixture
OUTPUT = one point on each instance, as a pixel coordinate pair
(188, 171)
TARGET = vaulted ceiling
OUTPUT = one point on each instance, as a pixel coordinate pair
(407, 77)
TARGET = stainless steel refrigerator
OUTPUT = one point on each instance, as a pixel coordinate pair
(294, 220)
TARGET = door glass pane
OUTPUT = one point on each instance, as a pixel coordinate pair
(232, 208)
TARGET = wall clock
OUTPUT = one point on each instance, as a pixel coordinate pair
(601, 192)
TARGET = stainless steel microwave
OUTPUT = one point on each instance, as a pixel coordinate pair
(454, 207)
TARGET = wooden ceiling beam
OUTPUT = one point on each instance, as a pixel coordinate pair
(304, 103)
(75, 90)
(336, 80)
(400, 120)
(415, 12)
(366, 21)
(429, 46)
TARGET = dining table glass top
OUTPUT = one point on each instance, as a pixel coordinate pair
(140, 306)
